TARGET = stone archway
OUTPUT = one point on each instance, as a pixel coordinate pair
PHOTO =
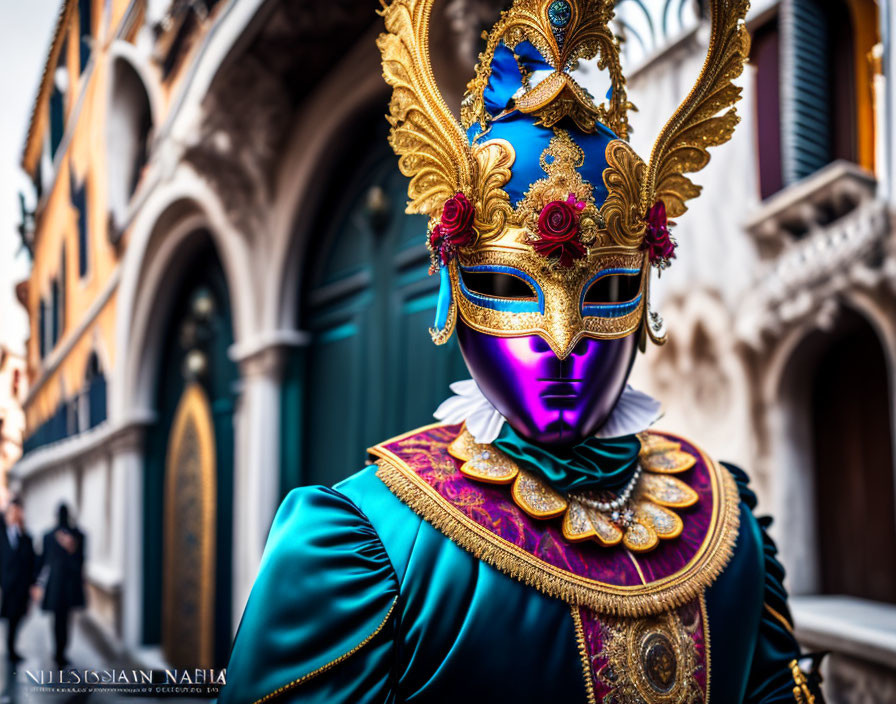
(830, 431)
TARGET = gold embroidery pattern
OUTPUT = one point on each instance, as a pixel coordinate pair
(650, 659)
(660, 659)
(668, 592)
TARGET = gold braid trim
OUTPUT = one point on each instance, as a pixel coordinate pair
(801, 692)
(319, 671)
(777, 615)
(629, 601)
(704, 614)
(583, 653)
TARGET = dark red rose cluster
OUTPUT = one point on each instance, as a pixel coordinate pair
(455, 228)
(657, 241)
(558, 230)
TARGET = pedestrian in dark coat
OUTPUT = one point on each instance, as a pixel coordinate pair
(18, 572)
(62, 574)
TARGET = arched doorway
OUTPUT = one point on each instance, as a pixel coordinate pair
(371, 370)
(853, 460)
(188, 478)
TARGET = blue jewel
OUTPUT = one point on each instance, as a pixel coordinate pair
(559, 13)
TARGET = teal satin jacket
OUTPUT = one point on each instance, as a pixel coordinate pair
(411, 581)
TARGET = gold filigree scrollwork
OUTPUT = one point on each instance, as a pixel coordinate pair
(621, 211)
(585, 36)
(495, 159)
(682, 146)
(430, 143)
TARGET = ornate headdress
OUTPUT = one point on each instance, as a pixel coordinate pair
(538, 185)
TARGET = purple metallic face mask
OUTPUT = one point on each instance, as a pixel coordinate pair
(545, 399)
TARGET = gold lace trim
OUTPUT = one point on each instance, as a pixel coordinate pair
(638, 600)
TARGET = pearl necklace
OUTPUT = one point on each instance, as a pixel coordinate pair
(620, 500)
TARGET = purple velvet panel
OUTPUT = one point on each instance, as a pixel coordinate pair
(491, 506)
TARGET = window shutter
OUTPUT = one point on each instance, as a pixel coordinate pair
(805, 89)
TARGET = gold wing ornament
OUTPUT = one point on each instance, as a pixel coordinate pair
(681, 147)
(430, 143)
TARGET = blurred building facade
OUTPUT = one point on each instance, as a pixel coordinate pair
(227, 301)
(13, 389)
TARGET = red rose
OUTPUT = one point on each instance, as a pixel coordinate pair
(657, 241)
(558, 227)
(455, 228)
(456, 222)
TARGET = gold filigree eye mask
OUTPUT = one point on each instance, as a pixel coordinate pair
(509, 294)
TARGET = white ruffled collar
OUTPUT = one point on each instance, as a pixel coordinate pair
(633, 413)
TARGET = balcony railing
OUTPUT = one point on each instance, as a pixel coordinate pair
(76, 415)
(815, 239)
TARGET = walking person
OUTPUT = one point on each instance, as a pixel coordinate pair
(62, 567)
(17, 572)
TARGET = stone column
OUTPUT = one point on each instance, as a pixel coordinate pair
(126, 452)
(256, 462)
(888, 104)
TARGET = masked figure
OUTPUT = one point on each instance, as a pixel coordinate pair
(539, 544)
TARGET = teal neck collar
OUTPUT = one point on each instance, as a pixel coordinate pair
(594, 464)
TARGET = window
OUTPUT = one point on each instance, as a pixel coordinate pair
(79, 203)
(93, 398)
(128, 128)
(57, 102)
(85, 26)
(826, 93)
(764, 56)
(63, 291)
(42, 328)
(54, 313)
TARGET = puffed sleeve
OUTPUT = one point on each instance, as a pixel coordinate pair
(318, 625)
(774, 675)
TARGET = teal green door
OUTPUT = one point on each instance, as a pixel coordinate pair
(200, 322)
(372, 370)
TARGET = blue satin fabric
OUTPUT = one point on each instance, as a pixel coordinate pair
(592, 464)
(530, 140)
(318, 625)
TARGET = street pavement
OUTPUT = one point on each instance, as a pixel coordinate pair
(35, 645)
